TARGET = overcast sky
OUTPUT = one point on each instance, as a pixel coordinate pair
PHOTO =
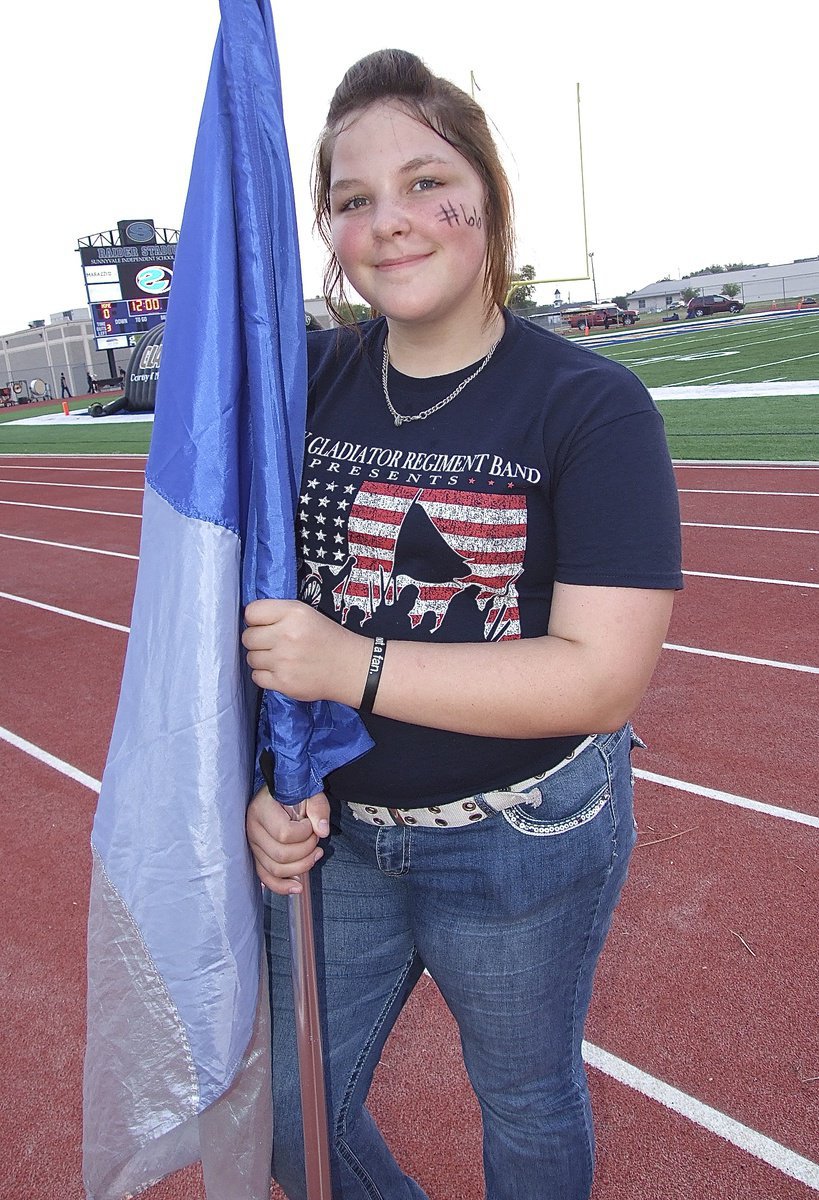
(699, 126)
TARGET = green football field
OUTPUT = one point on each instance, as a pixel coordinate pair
(741, 408)
(744, 369)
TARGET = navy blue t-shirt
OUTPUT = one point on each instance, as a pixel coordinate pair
(551, 465)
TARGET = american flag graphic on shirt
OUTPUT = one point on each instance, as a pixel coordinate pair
(349, 540)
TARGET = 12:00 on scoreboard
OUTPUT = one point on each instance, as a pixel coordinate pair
(118, 317)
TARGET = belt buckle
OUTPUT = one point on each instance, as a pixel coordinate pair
(395, 813)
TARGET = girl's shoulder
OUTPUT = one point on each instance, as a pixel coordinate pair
(564, 369)
(336, 347)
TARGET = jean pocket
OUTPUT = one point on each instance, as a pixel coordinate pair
(568, 800)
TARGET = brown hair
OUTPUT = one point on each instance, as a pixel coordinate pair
(452, 114)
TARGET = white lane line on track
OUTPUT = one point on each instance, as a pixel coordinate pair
(64, 612)
(81, 470)
(739, 464)
(751, 579)
(719, 492)
(760, 662)
(50, 760)
(99, 487)
(97, 512)
(696, 789)
(743, 658)
(747, 1139)
(794, 1165)
(110, 458)
(680, 785)
(13, 537)
(755, 1144)
(753, 528)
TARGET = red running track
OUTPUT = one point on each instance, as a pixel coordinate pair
(679, 995)
(756, 620)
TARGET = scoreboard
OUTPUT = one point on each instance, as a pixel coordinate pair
(128, 274)
(123, 318)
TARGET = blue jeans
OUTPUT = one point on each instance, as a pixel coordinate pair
(509, 917)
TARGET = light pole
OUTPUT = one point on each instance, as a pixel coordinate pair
(594, 281)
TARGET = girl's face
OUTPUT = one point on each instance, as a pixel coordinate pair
(407, 216)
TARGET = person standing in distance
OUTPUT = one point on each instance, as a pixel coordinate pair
(490, 543)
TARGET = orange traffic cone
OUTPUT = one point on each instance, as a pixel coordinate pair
(65, 408)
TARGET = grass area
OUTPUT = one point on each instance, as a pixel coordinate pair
(690, 352)
(775, 427)
(103, 437)
(704, 354)
(782, 350)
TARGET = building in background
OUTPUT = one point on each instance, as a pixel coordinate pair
(779, 283)
(44, 350)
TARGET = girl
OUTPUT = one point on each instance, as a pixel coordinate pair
(490, 543)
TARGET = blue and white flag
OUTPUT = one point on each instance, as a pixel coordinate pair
(177, 1062)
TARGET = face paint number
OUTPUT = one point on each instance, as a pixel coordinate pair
(450, 214)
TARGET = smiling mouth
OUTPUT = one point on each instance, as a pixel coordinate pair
(409, 260)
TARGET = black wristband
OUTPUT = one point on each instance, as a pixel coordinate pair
(373, 675)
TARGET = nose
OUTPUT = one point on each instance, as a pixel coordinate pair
(389, 218)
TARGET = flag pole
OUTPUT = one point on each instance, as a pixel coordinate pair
(308, 1035)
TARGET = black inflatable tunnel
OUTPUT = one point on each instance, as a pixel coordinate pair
(140, 378)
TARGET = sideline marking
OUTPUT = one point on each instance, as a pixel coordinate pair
(743, 658)
(753, 528)
(750, 579)
(98, 512)
(696, 789)
(101, 487)
(50, 760)
(64, 612)
(721, 492)
(752, 1142)
(14, 537)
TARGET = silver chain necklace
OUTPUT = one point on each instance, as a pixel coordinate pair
(399, 418)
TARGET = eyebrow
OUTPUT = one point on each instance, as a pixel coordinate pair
(414, 164)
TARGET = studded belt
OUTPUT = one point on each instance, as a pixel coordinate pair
(469, 811)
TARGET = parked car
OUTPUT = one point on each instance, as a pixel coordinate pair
(807, 300)
(706, 306)
(599, 314)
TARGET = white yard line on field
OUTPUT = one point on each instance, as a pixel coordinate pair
(759, 367)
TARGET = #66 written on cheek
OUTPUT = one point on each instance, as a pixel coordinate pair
(450, 214)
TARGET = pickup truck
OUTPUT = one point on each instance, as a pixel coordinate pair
(601, 314)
